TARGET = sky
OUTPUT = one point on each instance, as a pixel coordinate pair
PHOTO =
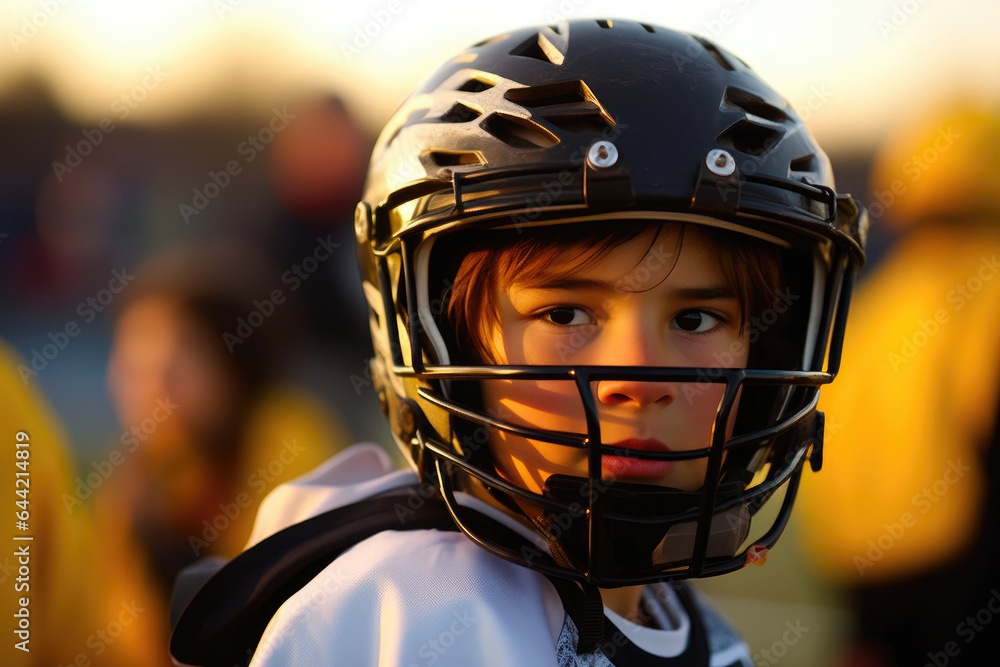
(848, 66)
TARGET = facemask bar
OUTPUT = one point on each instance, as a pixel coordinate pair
(709, 509)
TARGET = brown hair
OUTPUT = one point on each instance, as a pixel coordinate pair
(751, 266)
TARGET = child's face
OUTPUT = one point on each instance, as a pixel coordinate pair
(163, 353)
(669, 306)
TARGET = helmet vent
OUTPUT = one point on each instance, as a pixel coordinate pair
(648, 27)
(456, 158)
(460, 113)
(749, 137)
(807, 164)
(589, 123)
(566, 92)
(539, 47)
(605, 23)
(475, 85)
(713, 51)
(518, 132)
(753, 104)
(569, 105)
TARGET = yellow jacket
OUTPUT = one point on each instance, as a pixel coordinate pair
(900, 488)
(79, 610)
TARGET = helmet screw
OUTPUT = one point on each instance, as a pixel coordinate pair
(407, 421)
(602, 154)
(362, 222)
(720, 162)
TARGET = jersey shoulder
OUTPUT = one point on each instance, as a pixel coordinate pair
(420, 597)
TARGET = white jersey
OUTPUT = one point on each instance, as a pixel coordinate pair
(415, 598)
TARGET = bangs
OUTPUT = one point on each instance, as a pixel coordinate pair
(498, 260)
(492, 266)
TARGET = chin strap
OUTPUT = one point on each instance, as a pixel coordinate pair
(591, 624)
(584, 605)
(581, 600)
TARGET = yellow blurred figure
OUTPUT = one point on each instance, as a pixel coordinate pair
(903, 515)
(208, 428)
(62, 601)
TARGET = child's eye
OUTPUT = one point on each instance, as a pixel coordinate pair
(696, 321)
(566, 316)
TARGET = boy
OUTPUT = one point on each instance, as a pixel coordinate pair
(607, 273)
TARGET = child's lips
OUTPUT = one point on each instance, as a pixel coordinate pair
(623, 467)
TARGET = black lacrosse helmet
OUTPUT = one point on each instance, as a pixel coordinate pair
(609, 122)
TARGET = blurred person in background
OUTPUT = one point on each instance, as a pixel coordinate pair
(80, 610)
(208, 425)
(905, 518)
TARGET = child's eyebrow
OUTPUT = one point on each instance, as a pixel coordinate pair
(564, 283)
(699, 293)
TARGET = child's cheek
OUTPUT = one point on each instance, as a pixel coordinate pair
(544, 405)
(576, 345)
(550, 405)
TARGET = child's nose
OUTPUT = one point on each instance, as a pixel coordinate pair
(637, 394)
(638, 343)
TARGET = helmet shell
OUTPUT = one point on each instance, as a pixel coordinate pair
(599, 120)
